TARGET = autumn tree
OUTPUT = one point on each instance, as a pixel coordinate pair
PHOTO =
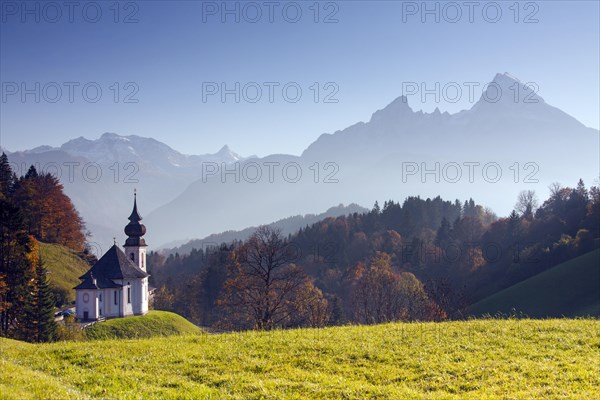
(309, 307)
(527, 203)
(163, 299)
(49, 214)
(382, 295)
(263, 281)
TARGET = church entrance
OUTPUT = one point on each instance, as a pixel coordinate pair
(86, 315)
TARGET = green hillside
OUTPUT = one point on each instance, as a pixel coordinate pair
(155, 323)
(569, 289)
(479, 359)
(64, 269)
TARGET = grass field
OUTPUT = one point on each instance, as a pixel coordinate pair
(570, 289)
(64, 268)
(479, 359)
(155, 323)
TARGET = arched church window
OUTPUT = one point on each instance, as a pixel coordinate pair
(128, 293)
(132, 257)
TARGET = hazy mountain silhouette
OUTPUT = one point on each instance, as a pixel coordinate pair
(510, 130)
(287, 226)
(518, 126)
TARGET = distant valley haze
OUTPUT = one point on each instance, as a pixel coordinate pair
(510, 140)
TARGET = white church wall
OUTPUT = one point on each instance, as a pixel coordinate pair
(144, 296)
(140, 289)
(128, 298)
(112, 303)
(86, 305)
(100, 298)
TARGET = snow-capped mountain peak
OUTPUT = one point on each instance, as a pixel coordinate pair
(111, 147)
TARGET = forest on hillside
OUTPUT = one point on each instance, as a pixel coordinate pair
(33, 209)
(424, 259)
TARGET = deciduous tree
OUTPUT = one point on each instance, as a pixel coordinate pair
(263, 281)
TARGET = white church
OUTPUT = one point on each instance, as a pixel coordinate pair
(117, 285)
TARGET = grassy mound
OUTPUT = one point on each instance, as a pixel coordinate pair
(570, 289)
(480, 359)
(155, 323)
(64, 269)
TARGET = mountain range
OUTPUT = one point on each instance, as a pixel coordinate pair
(100, 176)
(498, 147)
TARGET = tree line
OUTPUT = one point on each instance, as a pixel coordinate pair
(423, 259)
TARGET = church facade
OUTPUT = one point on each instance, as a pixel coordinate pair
(117, 285)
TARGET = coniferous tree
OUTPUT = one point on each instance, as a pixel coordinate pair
(38, 317)
(376, 208)
(6, 177)
(31, 173)
(444, 233)
(15, 271)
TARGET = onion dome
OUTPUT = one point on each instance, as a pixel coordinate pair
(134, 229)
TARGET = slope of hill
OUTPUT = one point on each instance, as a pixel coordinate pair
(569, 289)
(522, 359)
(155, 323)
(64, 269)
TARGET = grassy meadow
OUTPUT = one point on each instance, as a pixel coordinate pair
(478, 359)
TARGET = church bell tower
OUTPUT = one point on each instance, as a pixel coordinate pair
(135, 245)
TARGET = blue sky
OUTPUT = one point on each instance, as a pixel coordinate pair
(171, 51)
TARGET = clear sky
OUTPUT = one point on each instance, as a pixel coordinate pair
(170, 57)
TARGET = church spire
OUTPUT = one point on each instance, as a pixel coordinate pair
(135, 215)
(134, 230)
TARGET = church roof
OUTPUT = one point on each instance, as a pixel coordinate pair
(102, 283)
(114, 264)
(88, 283)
